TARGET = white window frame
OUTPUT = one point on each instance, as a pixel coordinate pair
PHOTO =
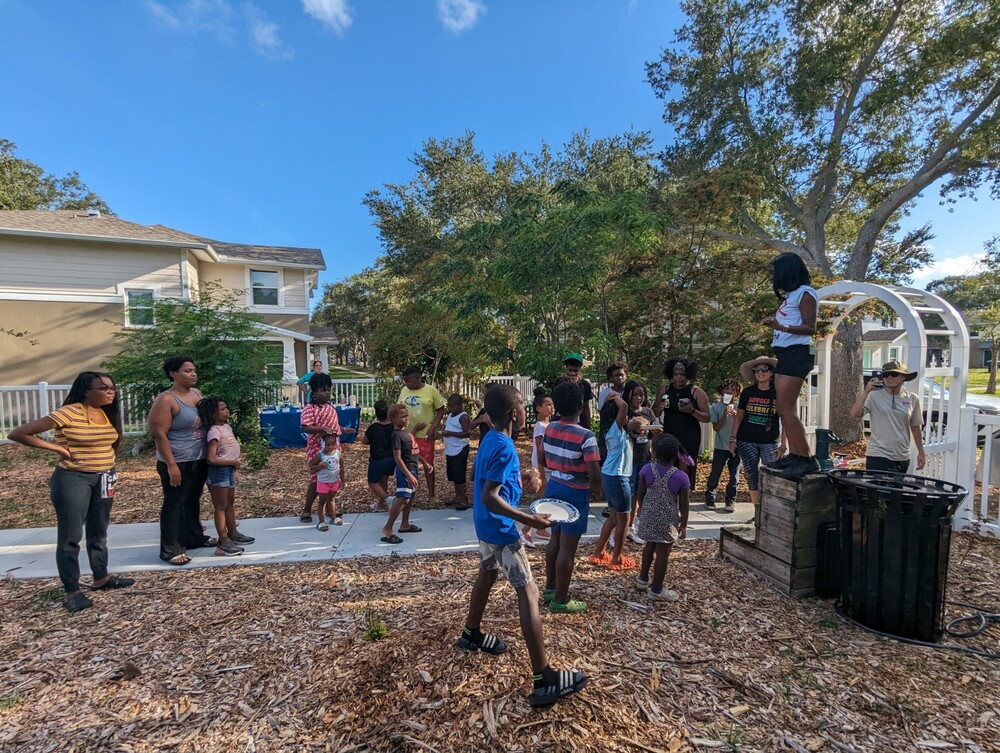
(268, 364)
(124, 289)
(281, 287)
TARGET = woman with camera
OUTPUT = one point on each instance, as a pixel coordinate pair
(894, 417)
(682, 408)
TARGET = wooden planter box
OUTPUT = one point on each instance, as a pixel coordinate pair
(782, 546)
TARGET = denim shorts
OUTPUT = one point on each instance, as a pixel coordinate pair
(579, 498)
(221, 475)
(794, 361)
(617, 492)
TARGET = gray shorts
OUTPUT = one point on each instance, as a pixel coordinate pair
(512, 558)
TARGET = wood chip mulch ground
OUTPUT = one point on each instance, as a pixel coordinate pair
(280, 658)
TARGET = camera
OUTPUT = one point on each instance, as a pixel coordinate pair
(876, 374)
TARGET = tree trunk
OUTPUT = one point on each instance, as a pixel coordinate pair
(846, 379)
(991, 386)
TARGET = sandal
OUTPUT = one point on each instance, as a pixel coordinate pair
(567, 683)
(180, 559)
(488, 644)
(321, 526)
(463, 506)
(600, 559)
(339, 520)
(306, 518)
(411, 529)
(394, 539)
(570, 607)
(624, 563)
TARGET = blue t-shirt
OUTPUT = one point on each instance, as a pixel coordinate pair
(496, 461)
(619, 459)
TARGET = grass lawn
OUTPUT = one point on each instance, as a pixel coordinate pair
(342, 372)
(977, 381)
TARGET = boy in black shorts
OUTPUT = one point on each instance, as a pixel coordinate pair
(378, 437)
(496, 492)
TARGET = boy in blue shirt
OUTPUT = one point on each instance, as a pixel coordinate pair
(496, 492)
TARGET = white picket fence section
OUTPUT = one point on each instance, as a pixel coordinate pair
(23, 403)
(979, 511)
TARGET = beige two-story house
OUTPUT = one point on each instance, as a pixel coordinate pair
(70, 279)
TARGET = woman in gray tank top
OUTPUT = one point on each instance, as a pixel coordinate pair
(180, 461)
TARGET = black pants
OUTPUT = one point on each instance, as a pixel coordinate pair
(180, 515)
(885, 464)
(80, 509)
(720, 460)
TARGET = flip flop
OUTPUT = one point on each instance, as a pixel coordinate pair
(306, 518)
(180, 559)
(394, 539)
(463, 506)
(411, 529)
(322, 527)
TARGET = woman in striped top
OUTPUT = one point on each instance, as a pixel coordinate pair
(88, 432)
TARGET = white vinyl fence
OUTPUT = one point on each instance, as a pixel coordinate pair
(979, 472)
(23, 403)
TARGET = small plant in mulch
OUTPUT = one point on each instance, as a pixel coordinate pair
(10, 700)
(375, 627)
(51, 596)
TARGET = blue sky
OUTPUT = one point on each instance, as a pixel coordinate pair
(266, 122)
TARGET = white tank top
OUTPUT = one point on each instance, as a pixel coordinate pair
(790, 314)
(454, 445)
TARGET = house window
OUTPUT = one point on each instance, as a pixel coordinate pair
(893, 354)
(264, 287)
(866, 359)
(274, 360)
(987, 358)
(139, 311)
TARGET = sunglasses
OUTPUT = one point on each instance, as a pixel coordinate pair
(892, 374)
(758, 369)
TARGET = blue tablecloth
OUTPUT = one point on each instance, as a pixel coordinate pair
(286, 428)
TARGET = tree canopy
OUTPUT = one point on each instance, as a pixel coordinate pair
(26, 185)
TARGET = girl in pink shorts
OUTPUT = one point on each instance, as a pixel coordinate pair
(329, 478)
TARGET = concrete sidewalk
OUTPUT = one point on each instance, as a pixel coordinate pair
(134, 547)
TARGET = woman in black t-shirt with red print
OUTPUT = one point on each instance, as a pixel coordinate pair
(757, 429)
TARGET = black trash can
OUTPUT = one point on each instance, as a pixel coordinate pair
(895, 536)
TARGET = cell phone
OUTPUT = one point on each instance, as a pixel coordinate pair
(664, 398)
(684, 400)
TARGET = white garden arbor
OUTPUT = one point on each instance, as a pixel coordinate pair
(941, 388)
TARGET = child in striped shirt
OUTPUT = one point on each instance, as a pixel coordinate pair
(571, 454)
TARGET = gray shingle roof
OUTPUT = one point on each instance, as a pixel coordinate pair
(882, 335)
(323, 333)
(76, 222)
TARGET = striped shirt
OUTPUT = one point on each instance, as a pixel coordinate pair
(568, 448)
(89, 442)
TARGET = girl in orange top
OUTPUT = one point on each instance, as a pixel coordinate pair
(88, 432)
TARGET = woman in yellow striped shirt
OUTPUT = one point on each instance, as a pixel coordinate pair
(88, 432)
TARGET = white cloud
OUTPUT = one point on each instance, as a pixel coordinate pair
(264, 33)
(215, 17)
(459, 15)
(966, 264)
(218, 18)
(336, 14)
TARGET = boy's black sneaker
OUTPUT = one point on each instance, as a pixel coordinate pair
(553, 685)
(709, 504)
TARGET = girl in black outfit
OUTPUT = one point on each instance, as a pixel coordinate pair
(683, 407)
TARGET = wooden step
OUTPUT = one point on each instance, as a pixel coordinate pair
(737, 546)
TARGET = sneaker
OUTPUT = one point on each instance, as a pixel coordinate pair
(611, 543)
(228, 548)
(77, 602)
(709, 501)
(570, 607)
(633, 536)
(799, 468)
(782, 462)
(664, 594)
(239, 538)
(730, 507)
(641, 583)
(567, 682)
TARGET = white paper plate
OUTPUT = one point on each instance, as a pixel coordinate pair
(557, 510)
